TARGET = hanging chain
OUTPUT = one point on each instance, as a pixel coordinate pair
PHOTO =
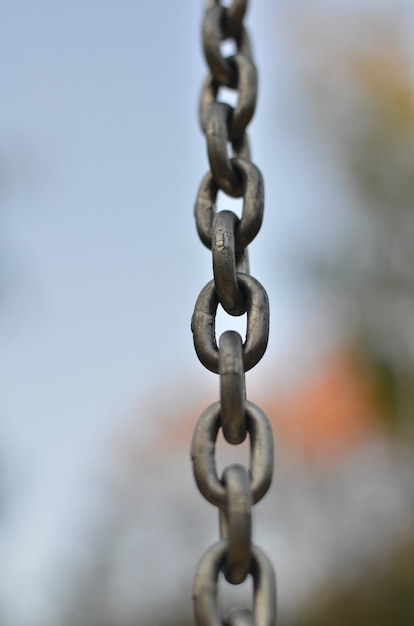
(227, 237)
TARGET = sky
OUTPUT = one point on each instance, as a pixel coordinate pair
(101, 156)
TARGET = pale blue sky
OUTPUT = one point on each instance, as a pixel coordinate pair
(102, 157)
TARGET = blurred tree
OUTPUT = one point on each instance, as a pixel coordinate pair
(384, 598)
(356, 69)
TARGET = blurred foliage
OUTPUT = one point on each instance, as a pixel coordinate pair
(357, 74)
(383, 597)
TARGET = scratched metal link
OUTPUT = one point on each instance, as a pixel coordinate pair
(203, 451)
(244, 110)
(252, 211)
(227, 236)
(205, 588)
(217, 134)
(236, 523)
(203, 323)
(232, 387)
(213, 34)
(225, 264)
(246, 92)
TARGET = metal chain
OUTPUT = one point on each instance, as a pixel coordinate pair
(227, 237)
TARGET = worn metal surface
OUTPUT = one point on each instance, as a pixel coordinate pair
(249, 225)
(227, 237)
(232, 387)
(203, 451)
(207, 613)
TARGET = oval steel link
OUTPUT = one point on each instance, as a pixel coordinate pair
(203, 450)
(236, 523)
(212, 35)
(252, 211)
(222, 167)
(205, 588)
(245, 107)
(203, 323)
(232, 387)
(224, 263)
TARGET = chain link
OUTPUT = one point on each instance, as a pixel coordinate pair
(227, 237)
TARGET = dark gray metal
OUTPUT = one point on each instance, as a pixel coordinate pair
(225, 175)
(203, 450)
(232, 387)
(205, 588)
(227, 237)
(224, 263)
(212, 36)
(245, 107)
(236, 523)
(234, 15)
(247, 90)
(242, 263)
(203, 323)
(252, 211)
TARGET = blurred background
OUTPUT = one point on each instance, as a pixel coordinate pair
(100, 266)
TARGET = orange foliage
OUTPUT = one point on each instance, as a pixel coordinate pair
(329, 412)
(384, 72)
(325, 414)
